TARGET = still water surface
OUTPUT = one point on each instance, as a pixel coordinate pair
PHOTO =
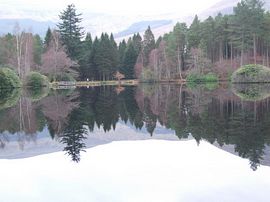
(145, 143)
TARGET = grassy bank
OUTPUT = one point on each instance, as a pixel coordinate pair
(202, 78)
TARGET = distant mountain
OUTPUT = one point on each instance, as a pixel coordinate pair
(225, 7)
(38, 19)
(142, 26)
(37, 27)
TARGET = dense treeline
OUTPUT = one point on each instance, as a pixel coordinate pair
(66, 54)
(21, 51)
(218, 44)
(104, 58)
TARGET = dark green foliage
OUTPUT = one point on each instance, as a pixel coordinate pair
(92, 67)
(84, 60)
(128, 54)
(194, 35)
(106, 109)
(41, 120)
(129, 60)
(71, 31)
(9, 79)
(248, 17)
(36, 80)
(197, 78)
(158, 41)
(48, 37)
(207, 43)
(74, 135)
(64, 77)
(121, 52)
(137, 42)
(104, 57)
(176, 45)
(7, 48)
(252, 92)
(36, 93)
(251, 74)
(148, 45)
(38, 49)
(149, 118)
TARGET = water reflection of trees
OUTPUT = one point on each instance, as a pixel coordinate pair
(217, 116)
(101, 107)
(28, 116)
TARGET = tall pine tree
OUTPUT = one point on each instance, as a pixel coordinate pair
(71, 31)
(148, 45)
(129, 61)
(84, 60)
(193, 34)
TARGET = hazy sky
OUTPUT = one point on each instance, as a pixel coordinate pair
(127, 7)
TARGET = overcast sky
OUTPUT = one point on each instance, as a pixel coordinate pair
(127, 7)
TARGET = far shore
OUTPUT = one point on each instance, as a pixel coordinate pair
(133, 82)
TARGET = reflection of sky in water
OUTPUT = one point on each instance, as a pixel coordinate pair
(153, 170)
(42, 142)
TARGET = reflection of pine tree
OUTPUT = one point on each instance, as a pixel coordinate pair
(255, 156)
(149, 118)
(247, 137)
(224, 122)
(88, 98)
(74, 135)
(106, 109)
(129, 108)
(138, 121)
(122, 108)
(177, 120)
(51, 131)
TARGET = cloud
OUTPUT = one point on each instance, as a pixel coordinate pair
(138, 7)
